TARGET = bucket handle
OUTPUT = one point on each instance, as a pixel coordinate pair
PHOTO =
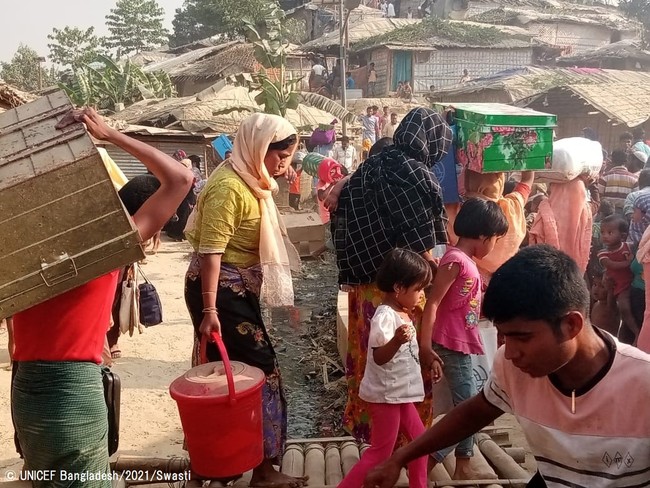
(224, 358)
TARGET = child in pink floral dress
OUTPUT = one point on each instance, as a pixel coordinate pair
(451, 315)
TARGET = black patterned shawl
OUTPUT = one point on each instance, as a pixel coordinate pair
(393, 199)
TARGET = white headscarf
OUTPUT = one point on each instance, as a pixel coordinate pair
(277, 254)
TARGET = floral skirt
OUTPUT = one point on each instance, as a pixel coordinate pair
(363, 300)
(247, 341)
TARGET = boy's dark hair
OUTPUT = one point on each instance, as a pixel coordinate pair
(403, 268)
(480, 218)
(638, 133)
(537, 283)
(644, 179)
(626, 136)
(617, 220)
(196, 160)
(597, 273)
(634, 164)
(137, 190)
(618, 157)
(378, 146)
(606, 208)
(345, 139)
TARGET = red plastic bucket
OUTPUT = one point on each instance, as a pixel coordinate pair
(220, 405)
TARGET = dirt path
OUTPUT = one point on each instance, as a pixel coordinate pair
(152, 360)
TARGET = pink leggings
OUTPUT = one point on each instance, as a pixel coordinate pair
(388, 420)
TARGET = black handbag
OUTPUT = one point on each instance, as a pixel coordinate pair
(112, 390)
(149, 303)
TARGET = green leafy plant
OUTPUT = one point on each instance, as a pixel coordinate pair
(433, 27)
(108, 85)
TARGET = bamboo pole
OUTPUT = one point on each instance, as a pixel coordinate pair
(439, 474)
(349, 456)
(403, 477)
(333, 469)
(478, 464)
(315, 464)
(143, 463)
(244, 481)
(516, 453)
(293, 461)
(505, 466)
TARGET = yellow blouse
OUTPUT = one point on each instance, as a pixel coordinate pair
(227, 220)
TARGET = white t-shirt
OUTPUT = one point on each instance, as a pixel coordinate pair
(390, 11)
(318, 69)
(345, 157)
(605, 443)
(399, 380)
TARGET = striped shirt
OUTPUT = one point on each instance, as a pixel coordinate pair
(616, 185)
(605, 443)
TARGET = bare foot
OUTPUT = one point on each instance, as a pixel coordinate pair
(266, 476)
(465, 471)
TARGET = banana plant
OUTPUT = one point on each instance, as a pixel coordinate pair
(107, 84)
(277, 91)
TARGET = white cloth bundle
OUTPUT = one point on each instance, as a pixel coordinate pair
(572, 157)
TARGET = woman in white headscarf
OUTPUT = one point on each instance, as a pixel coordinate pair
(241, 258)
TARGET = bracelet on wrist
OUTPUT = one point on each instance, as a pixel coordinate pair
(209, 292)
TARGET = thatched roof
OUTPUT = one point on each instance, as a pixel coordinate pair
(214, 62)
(177, 64)
(213, 111)
(507, 12)
(11, 97)
(624, 96)
(432, 33)
(628, 49)
(357, 32)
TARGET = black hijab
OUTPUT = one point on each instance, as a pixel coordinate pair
(393, 199)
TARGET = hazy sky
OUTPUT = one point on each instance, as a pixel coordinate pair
(30, 21)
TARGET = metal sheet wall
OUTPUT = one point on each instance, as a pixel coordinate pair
(445, 67)
(132, 167)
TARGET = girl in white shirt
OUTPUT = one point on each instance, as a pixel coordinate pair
(392, 381)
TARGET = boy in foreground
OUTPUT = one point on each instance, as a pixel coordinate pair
(578, 394)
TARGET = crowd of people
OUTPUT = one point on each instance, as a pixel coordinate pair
(413, 318)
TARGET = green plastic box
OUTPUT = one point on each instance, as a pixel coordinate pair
(494, 137)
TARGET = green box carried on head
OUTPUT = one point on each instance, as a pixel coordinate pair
(494, 137)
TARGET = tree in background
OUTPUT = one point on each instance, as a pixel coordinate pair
(639, 10)
(135, 26)
(72, 47)
(296, 31)
(25, 71)
(199, 19)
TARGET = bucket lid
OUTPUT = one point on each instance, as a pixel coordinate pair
(209, 381)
